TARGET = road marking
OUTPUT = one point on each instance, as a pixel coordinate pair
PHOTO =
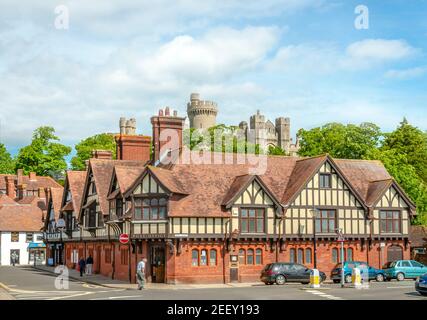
(72, 296)
(403, 287)
(324, 295)
(118, 297)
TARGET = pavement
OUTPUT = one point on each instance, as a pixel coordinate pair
(107, 282)
(27, 283)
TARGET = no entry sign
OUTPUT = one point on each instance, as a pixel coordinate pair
(124, 238)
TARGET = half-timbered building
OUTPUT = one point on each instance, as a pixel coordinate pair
(204, 221)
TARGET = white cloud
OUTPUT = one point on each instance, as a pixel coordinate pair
(380, 49)
(405, 74)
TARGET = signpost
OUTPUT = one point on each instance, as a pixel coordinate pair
(341, 239)
(124, 238)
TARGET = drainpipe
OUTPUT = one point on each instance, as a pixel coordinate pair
(282, 218)
(224, 248)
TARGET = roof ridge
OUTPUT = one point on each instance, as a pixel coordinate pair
(313, 157)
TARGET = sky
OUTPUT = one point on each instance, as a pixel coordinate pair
(305, 59)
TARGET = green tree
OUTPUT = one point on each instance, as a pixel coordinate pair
(7, 164)
(340, 141)
(412, 142)
(276, 151)
(43, 156)
(103, 141)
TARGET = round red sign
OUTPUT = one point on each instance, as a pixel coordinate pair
(124, 238)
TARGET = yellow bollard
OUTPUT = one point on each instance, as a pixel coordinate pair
(314, 279)
(356, 279)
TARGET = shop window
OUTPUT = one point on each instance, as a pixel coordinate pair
(258, 256)
(292, 255)
(195, 258)
(250, 256)
(212, 258)
(14, 236)
(242, 256)
(308, 255)
(203, 257)
(300, 257)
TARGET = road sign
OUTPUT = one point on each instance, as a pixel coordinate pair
(124, 238)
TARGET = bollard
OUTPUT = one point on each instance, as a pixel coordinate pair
(356, 278)
(314, 278)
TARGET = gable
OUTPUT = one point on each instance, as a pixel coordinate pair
(148, 185)
(339, 194)
(254, 194)
(392, 199)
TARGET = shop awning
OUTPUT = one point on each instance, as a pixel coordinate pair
(36, 245)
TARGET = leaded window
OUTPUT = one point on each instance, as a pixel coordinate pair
(389, 221)
(150, 208)
(252, 220)
(326, 221)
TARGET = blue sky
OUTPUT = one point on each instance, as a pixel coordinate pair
(298, 58)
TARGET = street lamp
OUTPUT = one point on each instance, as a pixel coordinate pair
(313, 214)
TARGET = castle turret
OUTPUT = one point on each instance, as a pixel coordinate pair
(283, 129)
(202, 113)
(257, 125)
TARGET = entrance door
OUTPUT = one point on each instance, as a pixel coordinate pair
(394, 253)
(234, 268)
(14, 256)
(157, 260)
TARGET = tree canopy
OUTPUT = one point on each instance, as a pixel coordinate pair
(44, 156)
(339, 140)
(103, 141)
(7, 164)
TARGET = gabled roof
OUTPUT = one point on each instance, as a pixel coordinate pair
(54, 199)
(74, 183)
(102, 171)
(376, 189)
(302, 172)
(126, 176)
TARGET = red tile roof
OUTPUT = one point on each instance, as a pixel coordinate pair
(20, 217)
(75, 183)
(38, 182)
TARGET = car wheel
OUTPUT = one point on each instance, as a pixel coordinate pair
(336, 281)
(347, 278)
(400, 276)
(379, 277)
(280, 280)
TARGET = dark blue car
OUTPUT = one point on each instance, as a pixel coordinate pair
(374, 274)
(421, 285)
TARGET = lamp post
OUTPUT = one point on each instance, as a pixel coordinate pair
(314, 213)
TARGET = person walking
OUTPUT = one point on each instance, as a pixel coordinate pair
(89, 264)
(82, 266)
(140, 273)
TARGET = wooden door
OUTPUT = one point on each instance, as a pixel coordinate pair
(394, 253)
(157, 261)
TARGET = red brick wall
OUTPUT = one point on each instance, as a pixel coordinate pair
(179, 267)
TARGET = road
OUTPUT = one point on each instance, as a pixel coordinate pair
(26, 283)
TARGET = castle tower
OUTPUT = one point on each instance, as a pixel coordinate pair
(202, 113)
(257, 126)
(283, 128)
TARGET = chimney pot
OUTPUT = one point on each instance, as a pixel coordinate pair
(21, 190)
(175, 113)
(20, 173)
(161, 112)
(10, 187)
(33, 176)
(167, 111)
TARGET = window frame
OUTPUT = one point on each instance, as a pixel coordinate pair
(328, 219)
(292, 255)
(14, 234)
(215, 259)
(322, 177)
(392, 220)
(247, 219)
(142, 206)
(258, 254)
(26, 237)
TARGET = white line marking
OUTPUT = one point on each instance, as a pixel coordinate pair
(71, 296)
(403, 287)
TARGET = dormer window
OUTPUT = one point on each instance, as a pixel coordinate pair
(150, 209)
(325, 181)
(252, 220)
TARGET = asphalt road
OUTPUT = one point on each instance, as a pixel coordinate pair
(26, 283)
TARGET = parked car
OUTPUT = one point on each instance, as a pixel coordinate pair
(404, 269)
(421, 285)
(374, 274)
(282, 272)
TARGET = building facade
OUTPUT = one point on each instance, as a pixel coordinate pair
(201, 221)
(22, 211)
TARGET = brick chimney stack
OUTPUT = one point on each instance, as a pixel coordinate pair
(174, 124)
(22, 188)
(33, 176)
(20, 174)
(129, 145)
(102, 154)
(10, 187)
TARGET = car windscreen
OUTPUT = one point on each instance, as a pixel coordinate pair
(390, 264)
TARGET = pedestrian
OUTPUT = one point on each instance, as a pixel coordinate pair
(140, 273)
(82, 266)
(89, 264)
